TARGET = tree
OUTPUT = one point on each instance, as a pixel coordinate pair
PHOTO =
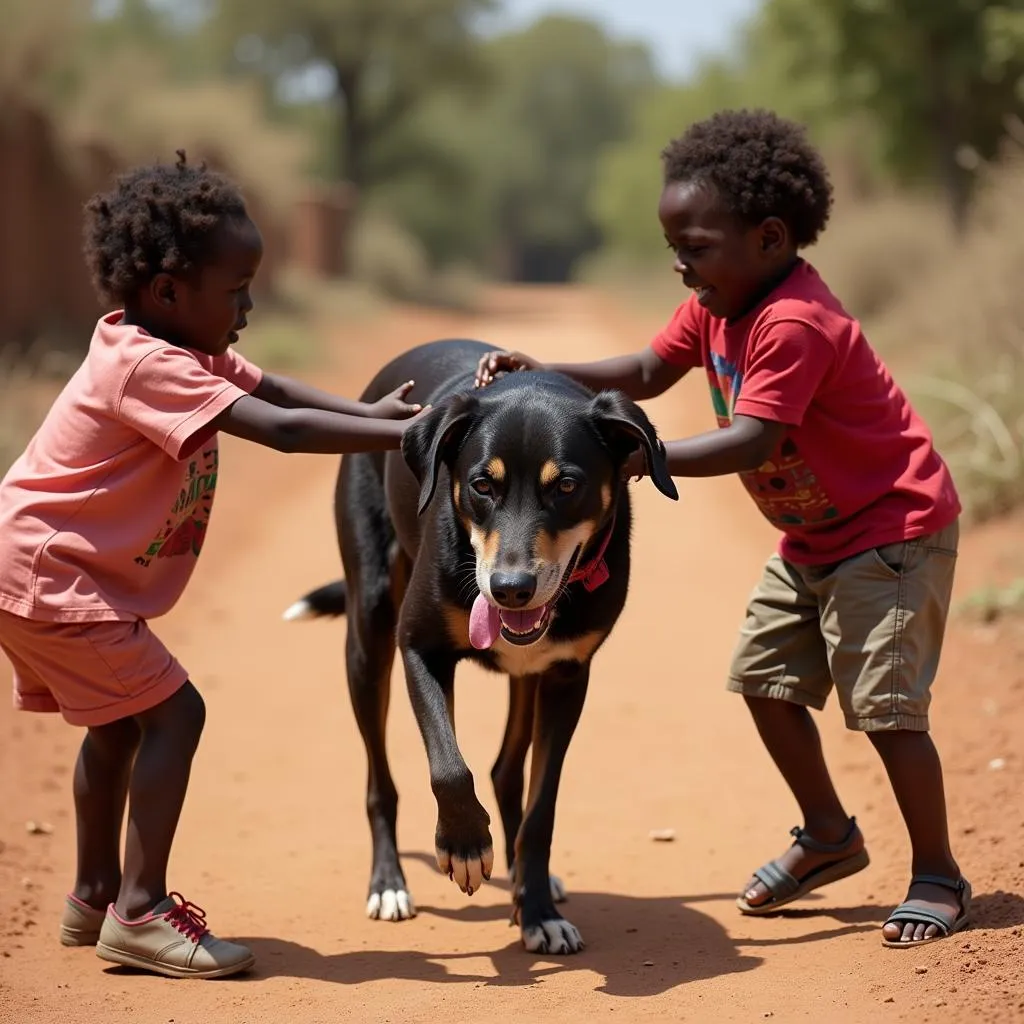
(382, 58)
(939, 76)
(564, 93)
(504, 182)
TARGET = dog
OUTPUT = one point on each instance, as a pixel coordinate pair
(499, 533)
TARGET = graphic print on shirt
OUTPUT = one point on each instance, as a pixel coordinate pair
(787, 491)
(185, 529)
(785, 488)
(725, 380)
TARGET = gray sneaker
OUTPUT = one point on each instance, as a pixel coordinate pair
(80, 925)
(172, 939)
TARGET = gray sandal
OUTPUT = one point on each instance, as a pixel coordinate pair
(947, 923)
(785, 888)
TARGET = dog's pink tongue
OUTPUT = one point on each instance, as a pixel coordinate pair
(484, 624)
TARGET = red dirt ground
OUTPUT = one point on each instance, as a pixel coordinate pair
(273, 841)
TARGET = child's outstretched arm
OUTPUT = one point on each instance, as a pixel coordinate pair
(316, 431)
(643, 374)
(748, 442)
(286, 393)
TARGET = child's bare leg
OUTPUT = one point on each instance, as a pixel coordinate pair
(101, 791)
(791, 737)
(159, 780)
(915, 772)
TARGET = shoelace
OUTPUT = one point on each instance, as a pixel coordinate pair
(189, 919)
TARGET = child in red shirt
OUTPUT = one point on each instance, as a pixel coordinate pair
(832, 452)
(101, 522)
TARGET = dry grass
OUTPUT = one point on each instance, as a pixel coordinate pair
(389, 260)
(960, 327)
(873, 251)
(991, 603)
(290, 332)
(125, 99)
(221, 121)
(36, 38)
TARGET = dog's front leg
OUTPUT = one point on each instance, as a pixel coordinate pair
(560, 698)
(463, 839)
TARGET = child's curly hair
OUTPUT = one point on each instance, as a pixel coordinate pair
(156, 218)
(762, 165)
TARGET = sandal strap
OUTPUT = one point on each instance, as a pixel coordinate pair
(808, 842)
(906, 913)
(955, 884)
(777, 880)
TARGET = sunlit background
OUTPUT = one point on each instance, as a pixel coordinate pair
(423, 151)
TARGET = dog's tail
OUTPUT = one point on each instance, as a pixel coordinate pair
(327, 601)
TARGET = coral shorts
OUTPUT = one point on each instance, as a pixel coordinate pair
(93, 673)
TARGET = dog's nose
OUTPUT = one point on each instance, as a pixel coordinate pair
(513, 589)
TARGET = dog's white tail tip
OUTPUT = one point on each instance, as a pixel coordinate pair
(300, 610)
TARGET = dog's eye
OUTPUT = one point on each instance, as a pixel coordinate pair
(566, 485)
(482, 486)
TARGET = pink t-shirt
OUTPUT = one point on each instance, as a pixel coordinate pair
(104, 514)
(857, 467)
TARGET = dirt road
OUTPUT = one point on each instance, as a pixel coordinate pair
(273, 841)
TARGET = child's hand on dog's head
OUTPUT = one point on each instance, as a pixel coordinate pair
(493, 364)
(394, 406)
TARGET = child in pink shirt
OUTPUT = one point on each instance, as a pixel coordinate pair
(104, 515)
(834, 455)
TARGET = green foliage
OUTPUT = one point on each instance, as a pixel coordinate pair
(384, 56)
(564, 93)
(527, 153)
(624, 199)
(913, 91)
(938, 76)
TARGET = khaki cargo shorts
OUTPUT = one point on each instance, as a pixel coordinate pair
(872, 626)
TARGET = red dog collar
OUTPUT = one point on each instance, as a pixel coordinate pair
(595, 573)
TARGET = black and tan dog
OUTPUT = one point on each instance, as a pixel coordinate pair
(502, 536)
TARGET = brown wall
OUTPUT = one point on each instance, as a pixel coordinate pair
(44, 286)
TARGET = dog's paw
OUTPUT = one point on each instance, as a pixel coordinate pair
(470, 872)
(555, 936)
(390, 905)
(462, 840)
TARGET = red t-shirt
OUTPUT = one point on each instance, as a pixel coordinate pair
(857, 467)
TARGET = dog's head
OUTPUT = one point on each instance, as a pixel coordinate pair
(535, 465)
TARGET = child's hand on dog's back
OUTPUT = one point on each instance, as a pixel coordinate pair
(494, 363)
(394, 406)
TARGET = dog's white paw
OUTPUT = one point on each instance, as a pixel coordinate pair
(559, 937)
(469, 875)
(300, 610)
(390, 905)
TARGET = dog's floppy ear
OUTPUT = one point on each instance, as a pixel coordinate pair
(625, 427)
(435, 438)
